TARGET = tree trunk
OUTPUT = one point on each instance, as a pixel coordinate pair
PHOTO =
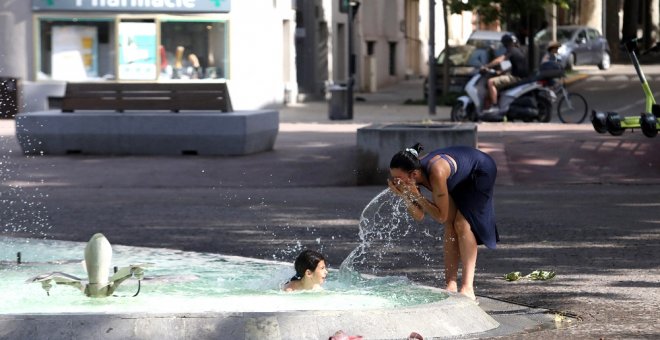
(630, 19)
(650, 23)
(591, 13)
(612, 32)
(654, 12)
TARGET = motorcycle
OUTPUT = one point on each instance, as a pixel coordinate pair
(527, 100)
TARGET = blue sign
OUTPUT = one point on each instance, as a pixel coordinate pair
(132, 6)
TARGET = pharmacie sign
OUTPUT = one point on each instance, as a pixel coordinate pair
(129, 6)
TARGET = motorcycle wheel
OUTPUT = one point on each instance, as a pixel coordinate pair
(461, 114)
(545, 110)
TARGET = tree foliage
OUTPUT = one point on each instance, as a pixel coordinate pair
(492, 10)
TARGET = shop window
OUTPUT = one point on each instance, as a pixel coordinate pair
(96, 49)
(193, 50)
(137, 50)
(76, 49)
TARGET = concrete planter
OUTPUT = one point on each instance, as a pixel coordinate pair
(379, 142)
(147, 133)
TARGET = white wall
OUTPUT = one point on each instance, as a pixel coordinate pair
(256, 53)
(381, 24)
(424, 31)
(15, 38)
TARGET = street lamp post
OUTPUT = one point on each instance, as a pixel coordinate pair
(432, 83)
(353, 7)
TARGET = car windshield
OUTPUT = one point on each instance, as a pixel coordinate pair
(465, 55)
(563, 35)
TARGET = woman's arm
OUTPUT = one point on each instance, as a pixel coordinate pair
(438, 208)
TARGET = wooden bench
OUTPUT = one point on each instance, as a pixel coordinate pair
(93, 120)
(172, 97)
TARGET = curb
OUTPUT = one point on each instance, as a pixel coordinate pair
(575, 78)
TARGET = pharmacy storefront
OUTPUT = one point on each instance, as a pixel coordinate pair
(248, 44)
(126, 40)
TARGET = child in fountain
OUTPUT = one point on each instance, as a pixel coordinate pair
(310, 272)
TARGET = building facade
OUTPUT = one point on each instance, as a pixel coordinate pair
(269, 52)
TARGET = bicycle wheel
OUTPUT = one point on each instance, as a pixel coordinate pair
(572, 109)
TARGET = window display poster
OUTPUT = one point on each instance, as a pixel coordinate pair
(75, 53)
(137, 51)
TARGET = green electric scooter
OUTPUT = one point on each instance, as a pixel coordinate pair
(615, 124)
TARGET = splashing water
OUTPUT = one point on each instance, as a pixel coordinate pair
(390, 238)
(21, 210)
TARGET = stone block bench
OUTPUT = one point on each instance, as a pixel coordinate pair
(379, 142)
(147, 119)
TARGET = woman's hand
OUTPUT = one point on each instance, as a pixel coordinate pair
(410, 193)
(395, 185)
(404, 189)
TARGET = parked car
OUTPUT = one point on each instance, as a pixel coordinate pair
(464, 60)
(580, 45)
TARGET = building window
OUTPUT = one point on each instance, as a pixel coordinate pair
(392, 58)
(96, 49)
(193, 50)
(137, 50)
(371, 45)
(76, 49)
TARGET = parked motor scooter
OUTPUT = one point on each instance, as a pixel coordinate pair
(528, 100)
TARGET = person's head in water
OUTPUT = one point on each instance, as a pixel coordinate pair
(405, 164)
(310, 271)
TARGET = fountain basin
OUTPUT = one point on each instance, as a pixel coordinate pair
(198, 295)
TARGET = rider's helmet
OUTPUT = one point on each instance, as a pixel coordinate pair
(508, 40)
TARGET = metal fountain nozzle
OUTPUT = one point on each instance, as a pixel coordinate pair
(98, 257)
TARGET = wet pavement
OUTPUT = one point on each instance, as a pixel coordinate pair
(567, 199)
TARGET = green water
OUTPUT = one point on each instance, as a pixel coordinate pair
(184, 282)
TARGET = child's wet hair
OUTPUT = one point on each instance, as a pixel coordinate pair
(408, 159)
(307, 259)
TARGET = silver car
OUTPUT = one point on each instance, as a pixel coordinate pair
(580, 45)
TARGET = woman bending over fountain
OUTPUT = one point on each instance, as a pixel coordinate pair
(310, 272)
(461, 181)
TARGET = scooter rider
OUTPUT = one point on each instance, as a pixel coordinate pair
(518, 70)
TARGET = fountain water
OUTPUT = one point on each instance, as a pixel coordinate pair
(187, 294)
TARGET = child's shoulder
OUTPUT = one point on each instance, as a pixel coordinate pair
(291, 286)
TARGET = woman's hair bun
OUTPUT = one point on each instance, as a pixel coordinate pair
(418, 147)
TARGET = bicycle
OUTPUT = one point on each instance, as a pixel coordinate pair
(571, 107)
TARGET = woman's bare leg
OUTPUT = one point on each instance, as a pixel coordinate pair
(468, 254)
(451, 250)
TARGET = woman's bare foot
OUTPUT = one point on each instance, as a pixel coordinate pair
(452, 287)
(469, 292)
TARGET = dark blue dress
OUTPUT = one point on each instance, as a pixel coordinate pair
(471, 188)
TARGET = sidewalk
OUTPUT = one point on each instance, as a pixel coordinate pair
(567, 199)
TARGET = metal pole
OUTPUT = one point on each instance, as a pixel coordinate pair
(351, 64)
(432, 74)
